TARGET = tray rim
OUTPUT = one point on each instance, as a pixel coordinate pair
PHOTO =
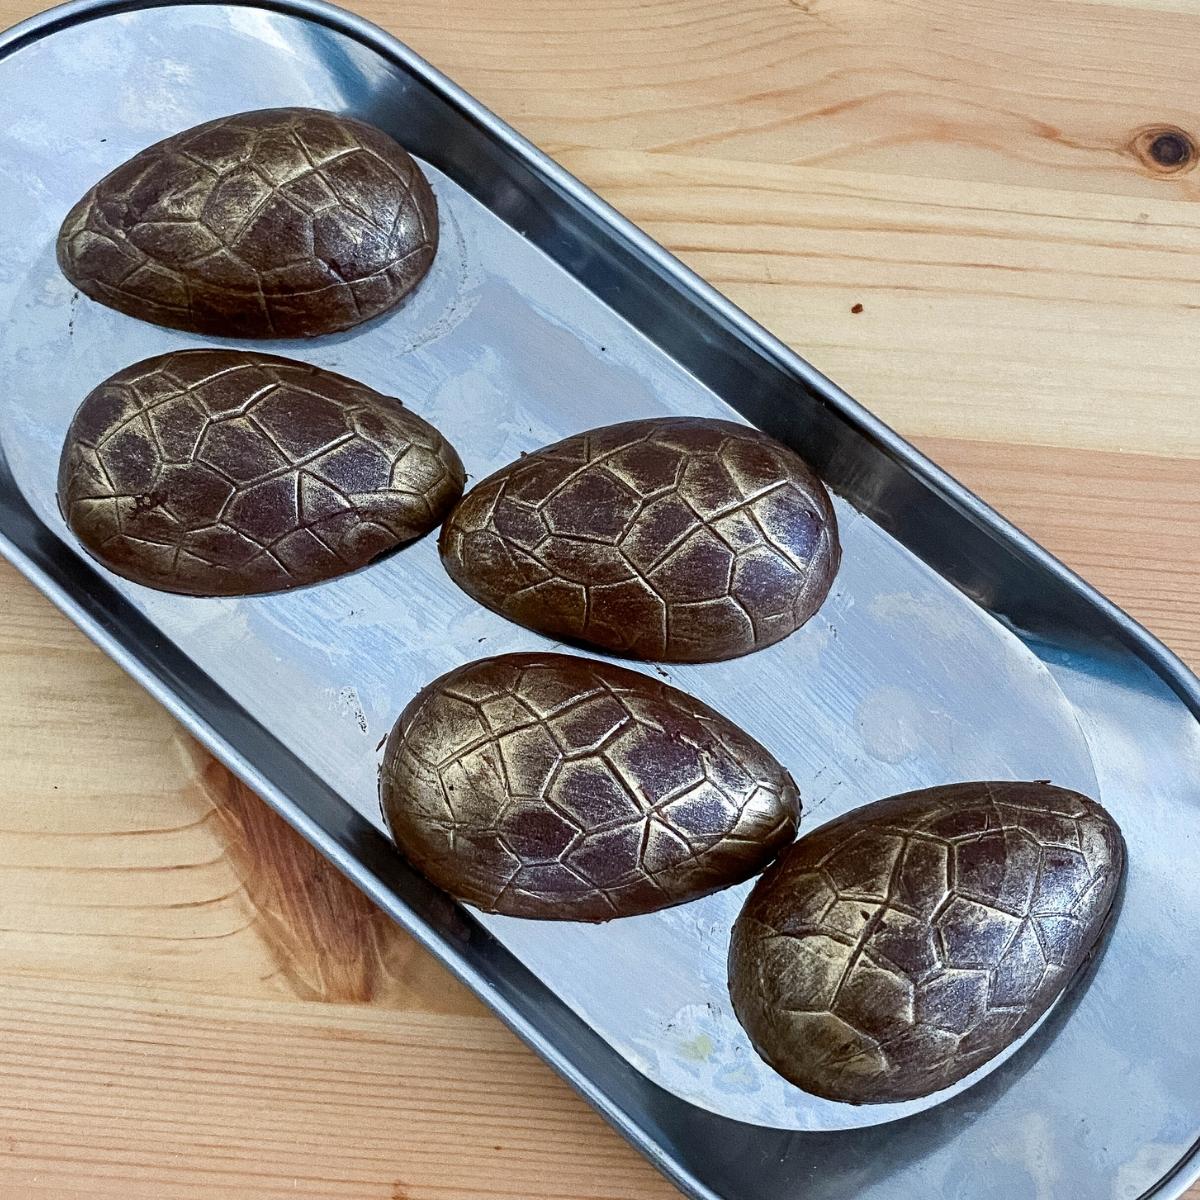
(1162, 661)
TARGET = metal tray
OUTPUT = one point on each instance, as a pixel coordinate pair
(951, 648)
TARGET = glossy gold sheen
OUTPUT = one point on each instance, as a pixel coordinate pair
(895, 950)
(553, 786)
(229, 472)
(676, 539)
(283, 222)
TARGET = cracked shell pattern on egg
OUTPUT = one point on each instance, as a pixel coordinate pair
(895, 950)
(673, 539)
(283, 222)
(554, 786)
(228, 472)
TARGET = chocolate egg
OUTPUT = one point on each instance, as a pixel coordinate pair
(893, 951)
(285, 222)
(222, 472)
(677, 539)
(547, 785)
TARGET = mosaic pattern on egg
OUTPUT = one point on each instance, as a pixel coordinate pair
(225, 472)
(285, 222)
(895, 950)
(548, 785)
(675, 539)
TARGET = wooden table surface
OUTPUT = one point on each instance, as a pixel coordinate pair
(954, 209)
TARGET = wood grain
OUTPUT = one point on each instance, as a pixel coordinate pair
(1045, 94)
(116, 1091)
(193, 1003)
(1128, 523)
(1003, 313)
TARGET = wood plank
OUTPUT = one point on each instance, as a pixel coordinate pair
(1128, 523)
(1027, 92)
(1048, 94)
(151, 1094)
(997, 313)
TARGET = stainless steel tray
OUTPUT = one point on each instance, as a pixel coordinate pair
(951, 648)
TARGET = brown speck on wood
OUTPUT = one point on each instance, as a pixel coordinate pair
(856, 308)
(1164, 149)
(1169, 149)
